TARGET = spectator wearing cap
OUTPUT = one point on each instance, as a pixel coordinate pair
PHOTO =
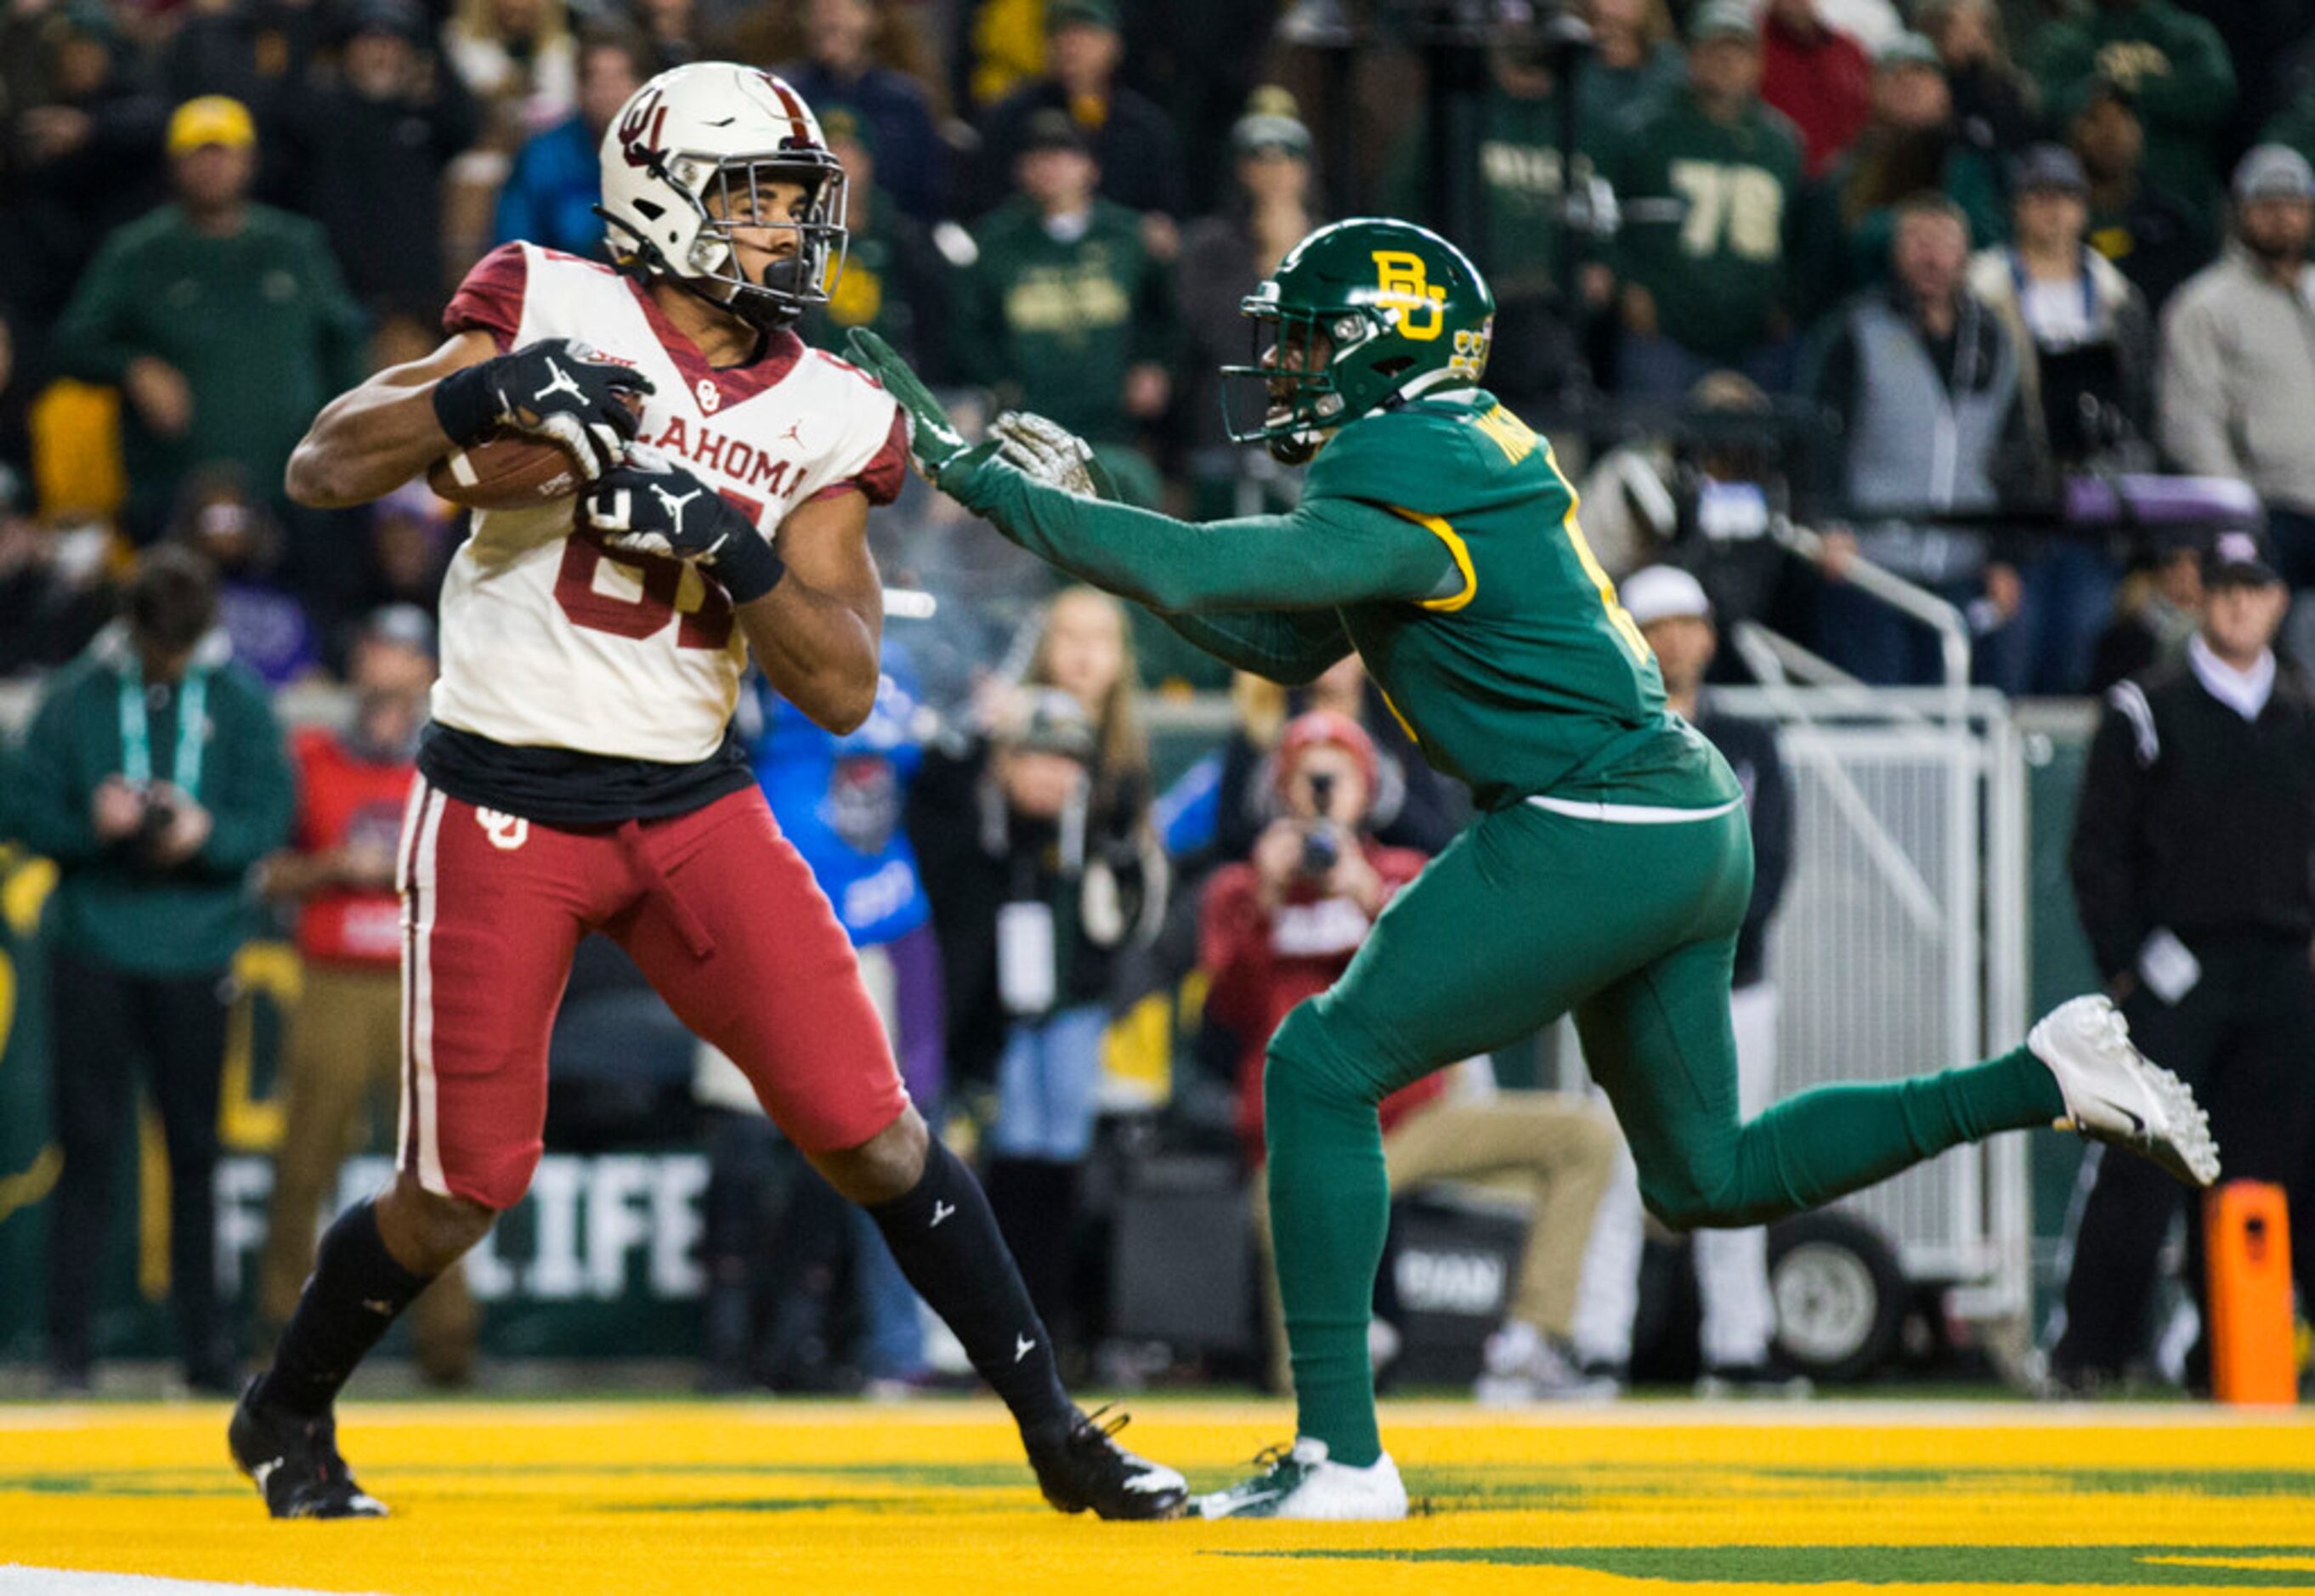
(1517, 239)
(260, 52)
(2170, 61)
(865, 54)
(1710, 184)
(2158, 239)
(374, 140)
(343, 1056)
(1272, 208)
(1279, 928)
(226, 323)
(895, 280)
(2190, 862)
(1923, 379)
(1732, 1266)
(152, 774)
(1132, 141)
(1066, 312)
(1910, 146)
(1816, 74)
(2086, 374)
(2238, 395)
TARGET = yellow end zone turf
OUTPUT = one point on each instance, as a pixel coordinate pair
(659, 1496)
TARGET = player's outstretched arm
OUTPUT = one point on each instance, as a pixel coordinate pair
(372, 439)
(1329, 552)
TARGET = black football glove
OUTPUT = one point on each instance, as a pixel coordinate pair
(649, 506)
(557, 390)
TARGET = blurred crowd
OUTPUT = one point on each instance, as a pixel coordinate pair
(1742, 255)
(2008, 301)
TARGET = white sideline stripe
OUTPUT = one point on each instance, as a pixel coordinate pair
(50, 1582)
(429, 1133)
(1630, 814)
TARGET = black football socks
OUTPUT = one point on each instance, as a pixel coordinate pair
(945, 1240)
(356, 1293)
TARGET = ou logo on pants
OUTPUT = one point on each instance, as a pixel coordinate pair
(505, 830)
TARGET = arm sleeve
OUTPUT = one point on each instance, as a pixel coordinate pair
(2102, 858)
(2194, 411)
(1287, 647)
(49, 806)
(1329, 553)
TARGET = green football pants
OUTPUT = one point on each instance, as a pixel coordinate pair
(1528, 915)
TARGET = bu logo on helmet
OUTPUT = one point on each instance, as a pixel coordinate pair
(1406, 286)
(640, 129)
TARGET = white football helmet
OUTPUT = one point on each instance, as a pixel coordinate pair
(686, 152)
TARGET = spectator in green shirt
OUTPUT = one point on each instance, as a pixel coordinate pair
(894, 280)
(1710, 186)
(225, 323)
(1065, 312)
(1912, 145)
(2174, 64)
(153, 775)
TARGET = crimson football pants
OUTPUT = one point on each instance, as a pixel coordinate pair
(716, 909)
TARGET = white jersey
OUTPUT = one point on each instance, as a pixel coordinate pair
(549, 642)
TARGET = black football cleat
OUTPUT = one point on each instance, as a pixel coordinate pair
(294, 1462)
(1083, 1467)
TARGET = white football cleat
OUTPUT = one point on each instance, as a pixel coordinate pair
(2115, 1094)
(1303, 1484)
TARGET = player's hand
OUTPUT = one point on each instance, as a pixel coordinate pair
(933, 438)
(650, 506)
(557, 390)
(1046, 451)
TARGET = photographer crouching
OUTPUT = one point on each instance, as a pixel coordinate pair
(152, 774)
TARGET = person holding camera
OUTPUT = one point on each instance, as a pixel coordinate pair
(152, 774)
(1281, 927)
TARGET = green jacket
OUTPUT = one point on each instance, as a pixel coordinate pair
(260, 324)
(1712, 214)
(108, 905)
(2173, 61)
(1053, 325)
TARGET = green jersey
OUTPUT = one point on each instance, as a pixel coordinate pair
(1440, 540)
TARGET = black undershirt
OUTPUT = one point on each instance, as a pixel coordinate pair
(553, 786)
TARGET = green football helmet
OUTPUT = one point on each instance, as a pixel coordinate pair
(1361, 316)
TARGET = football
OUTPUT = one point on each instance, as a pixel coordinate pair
(511, 471)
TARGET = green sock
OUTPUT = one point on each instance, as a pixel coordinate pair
(1329, 1213)
(1810, 1149)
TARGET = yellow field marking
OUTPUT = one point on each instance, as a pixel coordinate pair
(624, 1497)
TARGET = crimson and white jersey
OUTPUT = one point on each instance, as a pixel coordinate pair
(547, 641)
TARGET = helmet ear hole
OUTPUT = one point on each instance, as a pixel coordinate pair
(1394, 366)
(651, 210)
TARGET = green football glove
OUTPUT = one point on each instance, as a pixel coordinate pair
(933, 439)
